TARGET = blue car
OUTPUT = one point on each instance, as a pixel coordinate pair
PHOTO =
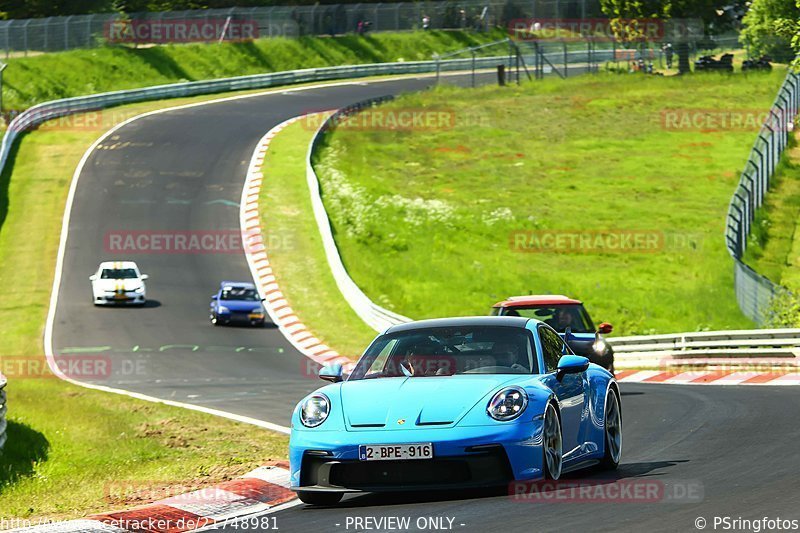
(455, 403)
(237, 302)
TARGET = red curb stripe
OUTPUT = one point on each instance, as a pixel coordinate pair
(762, 378)
(712, 376)
(258, 490)
(624, 374)
(660, 377)
(156, 518)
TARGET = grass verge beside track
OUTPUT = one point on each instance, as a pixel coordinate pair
(31, 80)
(295, 248)
(426, 218)
(774, 246)
(69, 447)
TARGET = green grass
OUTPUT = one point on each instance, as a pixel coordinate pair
(65, 443)
(774, 245)
(424, 218)
(296, 255)
(35, 79)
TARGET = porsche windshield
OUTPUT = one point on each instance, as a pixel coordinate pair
(447, 351)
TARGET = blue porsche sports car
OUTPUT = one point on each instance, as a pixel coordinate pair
(236, 302)
(455, 403)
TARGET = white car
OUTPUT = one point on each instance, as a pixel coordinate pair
(118, 282)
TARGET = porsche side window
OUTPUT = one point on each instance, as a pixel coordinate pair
(551, 347)
(379, 363)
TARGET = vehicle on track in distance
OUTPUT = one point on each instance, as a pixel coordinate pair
(237, 302)
(455, 403)
(562, 313)
(118, 283)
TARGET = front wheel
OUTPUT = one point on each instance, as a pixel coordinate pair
(551, 444)
(613, 433)
(319, 498)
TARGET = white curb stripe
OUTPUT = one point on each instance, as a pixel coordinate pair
(275, 302)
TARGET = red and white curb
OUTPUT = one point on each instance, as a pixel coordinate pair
(259, 491)
(709, 377)
(274, 301)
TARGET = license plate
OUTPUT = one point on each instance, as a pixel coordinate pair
(390, 452)
(120, 297)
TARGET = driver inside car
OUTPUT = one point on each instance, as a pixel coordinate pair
(508, 354)
(564, 319)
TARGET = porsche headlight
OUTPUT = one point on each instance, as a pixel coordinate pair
(315, 410)
(600, 346)
(508, 404)
(139, 290)
(258, 311)
(223, 309)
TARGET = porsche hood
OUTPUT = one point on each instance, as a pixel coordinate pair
(409, 403)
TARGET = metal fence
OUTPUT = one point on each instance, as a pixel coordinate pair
(87, 31)
(754, 292)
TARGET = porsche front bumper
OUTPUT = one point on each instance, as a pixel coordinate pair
(472, 457)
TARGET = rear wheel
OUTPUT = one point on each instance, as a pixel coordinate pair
(319, 498)
(613, 432)
(551, 443)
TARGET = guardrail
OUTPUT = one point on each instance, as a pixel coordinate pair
(754, 292)
(3, 410)
(760, 348)
(58, 108)
(375, 316)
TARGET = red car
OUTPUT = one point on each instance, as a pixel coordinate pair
(561, 313)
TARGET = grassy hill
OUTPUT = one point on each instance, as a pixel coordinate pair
(446, 220)
(30, 80)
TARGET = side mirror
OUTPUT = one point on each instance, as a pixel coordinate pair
(143, 277)
(568, 336)
(332, 373)
(93, 277)
(571, 364)
(605, 328)
(214, 296)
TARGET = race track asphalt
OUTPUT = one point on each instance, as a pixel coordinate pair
(693, 451)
